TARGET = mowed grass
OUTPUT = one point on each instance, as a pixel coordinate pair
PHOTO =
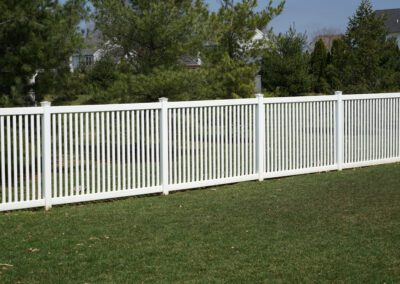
(330, 227)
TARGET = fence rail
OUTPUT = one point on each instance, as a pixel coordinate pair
(58, 155)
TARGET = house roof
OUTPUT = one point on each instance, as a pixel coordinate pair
(392, 19)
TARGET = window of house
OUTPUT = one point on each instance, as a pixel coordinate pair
(88, 59)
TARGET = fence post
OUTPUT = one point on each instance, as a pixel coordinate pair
(339, 130)
(260, 142)
(164, 144)
(46, 154)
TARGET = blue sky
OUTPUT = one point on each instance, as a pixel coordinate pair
(314, 15)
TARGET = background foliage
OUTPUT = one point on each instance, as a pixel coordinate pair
(364, 60)
(36, 35)
(144, 42)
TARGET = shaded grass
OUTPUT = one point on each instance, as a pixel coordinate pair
(331, 227)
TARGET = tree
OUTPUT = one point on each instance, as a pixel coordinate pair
(176, 84)
(152, 37)
(365, 36)
(390, 67)
(234, 25)
(35, 35)
(328, 34)
(285, 69)
(233, 52)
(152, 33)
(337, 64)
(318, 62)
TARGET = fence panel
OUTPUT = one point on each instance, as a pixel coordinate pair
(371, 131)
(20, 161)
(211, 145)
(105, 154)
(300, 137)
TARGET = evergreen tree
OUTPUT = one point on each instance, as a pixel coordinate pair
(337, 62)
(285, 69)
(338, 55)
(151, 37)
(152, 33)
(233, 54)
(365, 36)
(35, 35)
(390, 67)
(318, 62)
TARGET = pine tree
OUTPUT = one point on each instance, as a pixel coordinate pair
(286, 66)
(390, 67)
(35, 35)
(151, 37)
(152, 33)
(234, 56)
(366, 35)
(318, 62)
(337, 62)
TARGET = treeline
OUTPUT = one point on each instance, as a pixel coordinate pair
(144, 42)
(363, 60)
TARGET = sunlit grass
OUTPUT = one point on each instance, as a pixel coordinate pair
(331, 227)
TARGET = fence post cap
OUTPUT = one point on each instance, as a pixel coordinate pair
(338, 93)
(259, 95)
(45, 103)
(163, 99)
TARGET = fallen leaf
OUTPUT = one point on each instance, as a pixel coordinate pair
(33, 249)
(5, 265)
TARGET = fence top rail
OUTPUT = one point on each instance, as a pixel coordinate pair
(211, 103)
(20, 111)
(371, 96)
(300, 99)
(104, 108)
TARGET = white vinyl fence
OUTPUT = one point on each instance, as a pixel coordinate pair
(58, 155)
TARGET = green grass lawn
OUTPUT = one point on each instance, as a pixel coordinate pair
(331, 227)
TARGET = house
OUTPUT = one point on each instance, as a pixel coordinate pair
(92, 52)
(258, 36)
(392, 22)
(84, 57)
(191, 62)
(88, 57)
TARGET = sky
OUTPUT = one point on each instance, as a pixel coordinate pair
(312, 16)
